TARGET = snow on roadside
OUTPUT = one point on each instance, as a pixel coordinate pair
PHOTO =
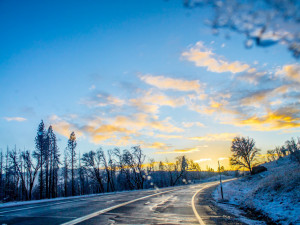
(275, 193)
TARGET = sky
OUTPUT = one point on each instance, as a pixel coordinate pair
(148, 73)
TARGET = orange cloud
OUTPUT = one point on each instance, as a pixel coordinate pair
(273, 120)
(158, 145)
(291, 72)
(143, 121)
(204, 57)
(63, 127)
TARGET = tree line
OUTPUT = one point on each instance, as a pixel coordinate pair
(47, 173)
(245, 154)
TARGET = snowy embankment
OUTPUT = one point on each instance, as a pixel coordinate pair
(274, 193)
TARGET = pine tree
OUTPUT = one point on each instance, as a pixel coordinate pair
(52, 164)
(40, 151)
(71, 148)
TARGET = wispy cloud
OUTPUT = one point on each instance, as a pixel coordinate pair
(102, 100)
(17, 119)
(191, 124)
(291, 72)
(283, 118)
(183, 150)
(202, 160)
(222, 158)
(159, 145)
(168, 136)
(215, 137)
(166, 83)
(204, 57)
(150, 101)
(64, 127)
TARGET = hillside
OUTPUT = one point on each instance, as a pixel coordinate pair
(274, 193)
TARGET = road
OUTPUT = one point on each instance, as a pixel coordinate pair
(189, 204)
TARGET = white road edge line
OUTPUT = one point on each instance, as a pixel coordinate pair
(39, 206)
(193, 204)
(193, 200)
(81, 219)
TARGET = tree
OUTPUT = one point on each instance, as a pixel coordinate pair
(52, 163)
(71, 147)
(243, 153)
(66, 172)
(293, 147)
(39, 152)
(263, 22)
(1, 174)
(31, 169)
(92, 164)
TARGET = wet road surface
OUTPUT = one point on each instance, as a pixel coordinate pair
(190, 204)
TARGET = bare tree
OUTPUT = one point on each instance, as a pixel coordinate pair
(92, 163)
(293, 147)
(244, 153)
(31, 169)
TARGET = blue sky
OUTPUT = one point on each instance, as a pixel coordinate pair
(147, 73)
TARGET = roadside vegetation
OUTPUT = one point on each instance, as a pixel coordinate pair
(47, 172)
(273, 194)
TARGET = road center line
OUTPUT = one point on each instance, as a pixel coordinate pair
(81, 219)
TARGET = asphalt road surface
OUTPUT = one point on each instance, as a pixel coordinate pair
(190, 204)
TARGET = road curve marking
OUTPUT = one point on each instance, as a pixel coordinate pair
(193, 200)
(81, 219)
(193, 203)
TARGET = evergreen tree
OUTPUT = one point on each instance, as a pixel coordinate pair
(71, 148)
(40, 151)
(52, 163)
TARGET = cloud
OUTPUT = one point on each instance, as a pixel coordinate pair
(92, 87)
(150, 101)
(141, 121)
(264, 95)
(158, 145)
(204, 57)
(221, 159)
(119, 130)
(252, 76)
(291, 72)
(63, 127)
(18, 119)
(215, 137)
(166, 83)
(202, 160)
(191, 124)
(141, 106)
(102, 100)
(283, 118)
(183, 150)
(166, 136)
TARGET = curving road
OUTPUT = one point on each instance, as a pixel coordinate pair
(189, 204)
